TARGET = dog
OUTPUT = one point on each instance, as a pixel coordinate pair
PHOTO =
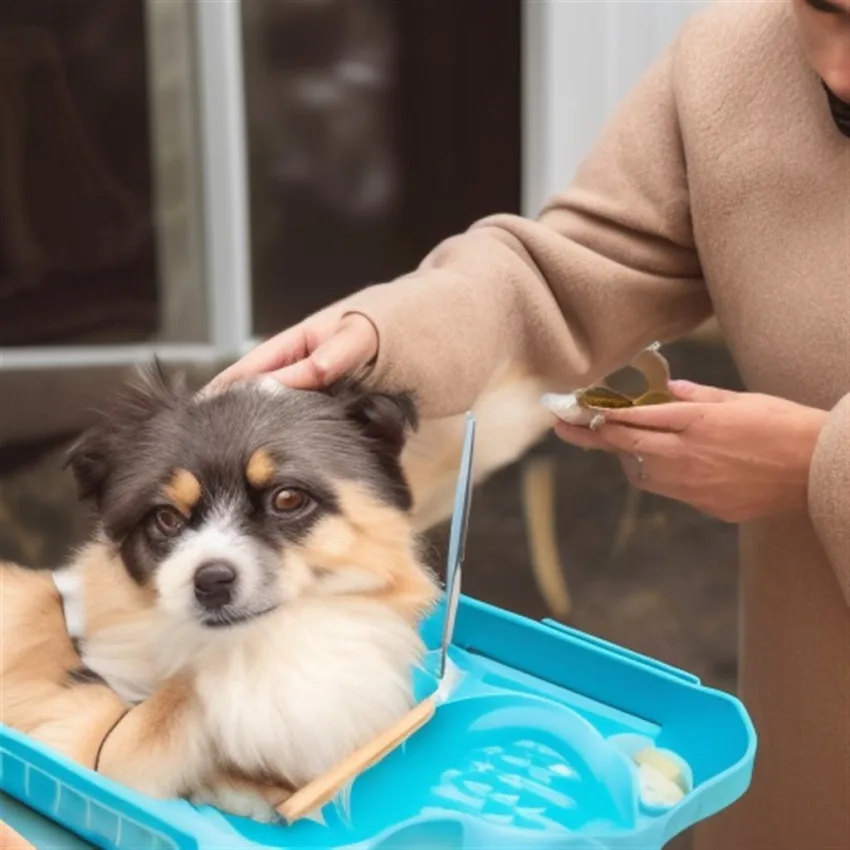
(45, 691)
(253, 592)
(510, 421)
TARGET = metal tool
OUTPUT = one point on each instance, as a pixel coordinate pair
(457, 540)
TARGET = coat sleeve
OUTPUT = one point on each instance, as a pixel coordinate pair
(609, 266)
(829, 491)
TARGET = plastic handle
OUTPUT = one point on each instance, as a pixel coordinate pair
(628, 654)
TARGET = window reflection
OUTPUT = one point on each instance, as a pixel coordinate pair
(376, 128)
(79, 252)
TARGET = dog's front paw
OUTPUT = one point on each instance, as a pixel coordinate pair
(242, 802)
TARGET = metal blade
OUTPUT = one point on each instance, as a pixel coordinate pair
(457, 539)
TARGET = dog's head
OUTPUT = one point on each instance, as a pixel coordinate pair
(231, 505)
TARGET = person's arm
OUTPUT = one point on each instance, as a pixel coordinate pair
(829, 491)
(609, 267)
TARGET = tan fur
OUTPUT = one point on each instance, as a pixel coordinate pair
(375, 538)
(111, 597)
(157, 748)
(148, 747)
(36, 656)
(161, 748)
(183, 491)
(510, 420)
(271, 790)
(260, 469)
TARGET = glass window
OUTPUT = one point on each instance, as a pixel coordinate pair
(98, 180)
(375, 129)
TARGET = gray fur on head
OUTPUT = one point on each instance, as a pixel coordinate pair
(156, 424)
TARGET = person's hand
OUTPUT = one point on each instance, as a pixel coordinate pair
(734, 456)
(310, 355)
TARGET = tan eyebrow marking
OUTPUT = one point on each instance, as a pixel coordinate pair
(184, 490)
(260, 469)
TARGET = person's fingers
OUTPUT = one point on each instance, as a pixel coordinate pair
(671, 416)
(689, 391)
(318, 342)
(651, 474)
(286, 347)
(623, 438)
(583, 438)
(676, 415)
(347, 350)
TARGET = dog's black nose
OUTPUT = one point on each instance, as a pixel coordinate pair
(214, 583)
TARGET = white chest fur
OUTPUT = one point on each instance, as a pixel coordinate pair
(292, 693)
(302, 688)
(124, 656)
(123, 652)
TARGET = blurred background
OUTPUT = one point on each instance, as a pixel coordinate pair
(184, 178)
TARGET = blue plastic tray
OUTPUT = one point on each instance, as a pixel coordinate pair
(527, 752)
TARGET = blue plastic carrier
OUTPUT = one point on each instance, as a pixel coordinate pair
(527, 752)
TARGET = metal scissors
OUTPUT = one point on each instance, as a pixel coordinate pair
(457, 539)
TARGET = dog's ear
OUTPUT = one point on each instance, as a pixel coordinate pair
(149, 391)
(386, 418)
(89, 458)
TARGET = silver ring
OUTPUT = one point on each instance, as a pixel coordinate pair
(641, 474)
(597, 422)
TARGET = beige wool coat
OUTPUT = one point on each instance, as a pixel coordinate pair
(721, 185)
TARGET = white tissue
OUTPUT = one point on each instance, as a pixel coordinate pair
(567, 409)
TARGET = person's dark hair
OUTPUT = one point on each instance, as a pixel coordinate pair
(840, 111)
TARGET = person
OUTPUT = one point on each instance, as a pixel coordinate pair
(722, 184)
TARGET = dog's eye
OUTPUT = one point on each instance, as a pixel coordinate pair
(287, 500)
(168, 522)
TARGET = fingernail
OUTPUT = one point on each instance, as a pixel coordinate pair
(211, 389)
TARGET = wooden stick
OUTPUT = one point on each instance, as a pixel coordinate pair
(323, 789)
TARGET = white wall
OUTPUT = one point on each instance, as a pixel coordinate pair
(580, 58)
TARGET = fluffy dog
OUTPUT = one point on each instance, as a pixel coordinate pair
(253, 593)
